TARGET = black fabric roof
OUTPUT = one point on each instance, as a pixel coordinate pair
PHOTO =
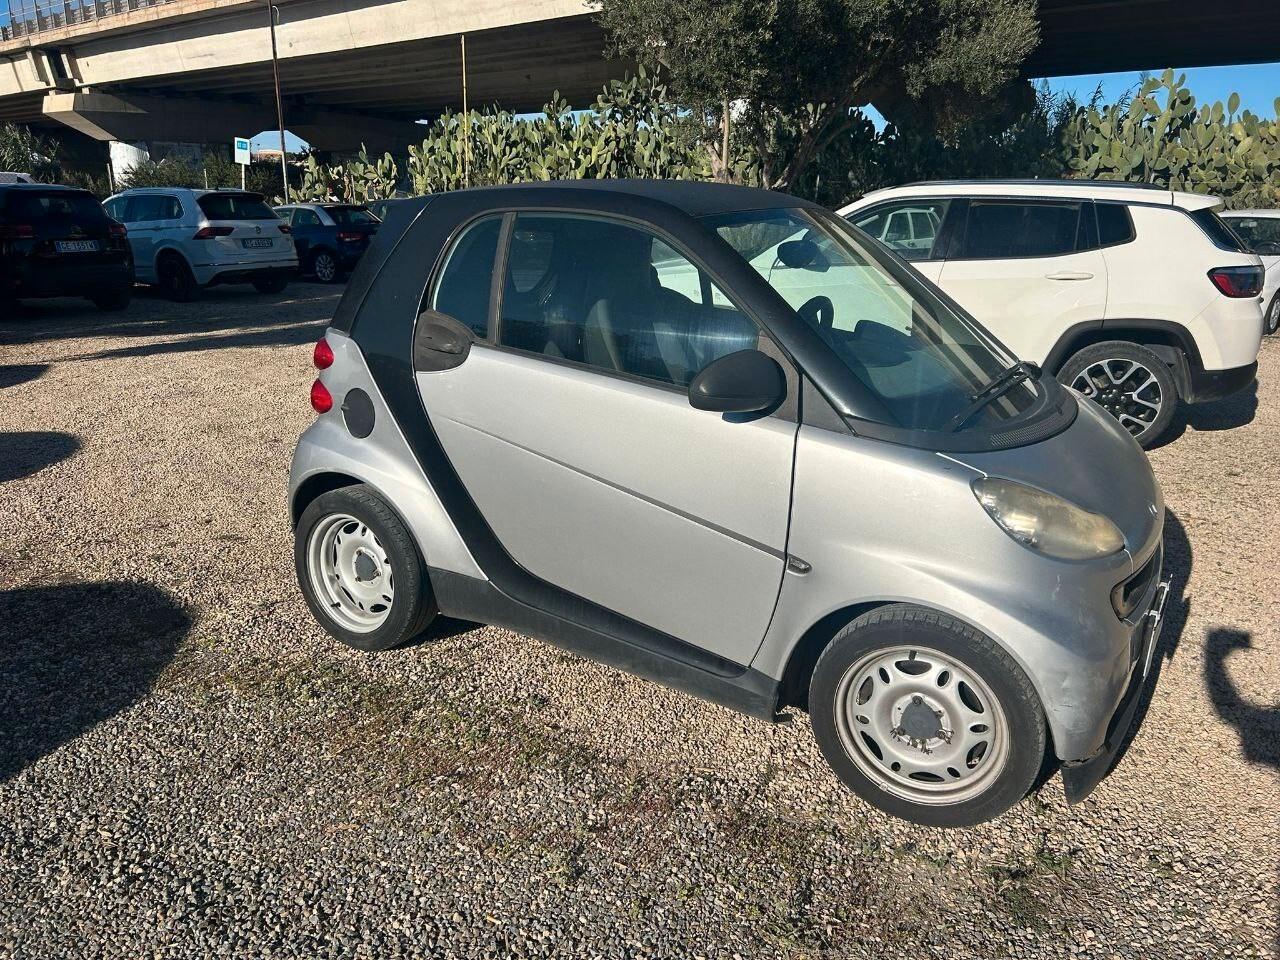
(697, 198)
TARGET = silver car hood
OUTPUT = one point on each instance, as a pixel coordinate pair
(1093, 463)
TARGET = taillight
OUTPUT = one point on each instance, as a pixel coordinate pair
(322, 357)
(285, 228)
(208, 233)
(17, 231)
(321, 398)
(1237, 281)
(350, 236)
(117, 229)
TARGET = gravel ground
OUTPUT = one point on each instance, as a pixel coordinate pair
(190, 767)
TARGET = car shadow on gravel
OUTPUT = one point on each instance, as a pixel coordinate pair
(228, 309)
(1257, 724)
(73, 655)
(1177, 608)
(1225, 414)
(26, 452)
(15, 373)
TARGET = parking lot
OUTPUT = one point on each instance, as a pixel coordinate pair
(190, 767)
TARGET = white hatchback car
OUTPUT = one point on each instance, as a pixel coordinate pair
(1260, 230)
(184, 240)
(1136, 296)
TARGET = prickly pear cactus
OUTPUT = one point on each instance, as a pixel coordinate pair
(1212, 148)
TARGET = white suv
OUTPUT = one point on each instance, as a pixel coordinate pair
(1134, 295)
(1260, 230)
(184, 240)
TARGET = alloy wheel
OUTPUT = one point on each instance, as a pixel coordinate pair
(1126, 389)
(325, 267)
(922, 725)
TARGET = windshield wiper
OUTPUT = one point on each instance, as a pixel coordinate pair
(996, 388)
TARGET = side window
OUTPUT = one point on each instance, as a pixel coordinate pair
(1115, 226)
(1006, 230)
(463, 290)
(305, 218)
(614, 297)
(909, 227)
(146, 207)
(116, 208)
(170, 209)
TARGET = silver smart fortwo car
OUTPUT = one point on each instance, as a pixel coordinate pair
(630, 419)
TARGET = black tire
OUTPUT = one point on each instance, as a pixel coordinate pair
(113, 300)
(413, 606)
(907, 625)
(270, 284)
(1094, 368)
(177, 282)
(1271, 319)
(324, 266)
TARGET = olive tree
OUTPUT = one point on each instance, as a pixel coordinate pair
(781, 79)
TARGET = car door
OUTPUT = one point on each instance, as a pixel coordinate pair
(144, 221)
(571, 429)
(306, 226)
(1028, 269)
(910, 226)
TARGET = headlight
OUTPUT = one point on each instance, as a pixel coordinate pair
(1046, 523)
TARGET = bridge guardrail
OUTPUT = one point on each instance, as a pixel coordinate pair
(31, 17)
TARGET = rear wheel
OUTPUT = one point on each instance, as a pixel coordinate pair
(177, 282)
(324, 266)
(360, 571)
(1130, 382)
(926, 718)
(270, 284)
(1271, 322)
(113, 300)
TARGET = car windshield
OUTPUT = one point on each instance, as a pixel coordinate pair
(924, 361)
(347, 216)
(235, 206)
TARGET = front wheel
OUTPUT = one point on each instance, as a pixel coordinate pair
(1271, 322)
(360, 571)
(926, 718)
(1129, 382)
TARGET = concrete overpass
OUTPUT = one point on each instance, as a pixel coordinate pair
(358, 71)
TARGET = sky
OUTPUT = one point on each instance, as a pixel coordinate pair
(1257, 84)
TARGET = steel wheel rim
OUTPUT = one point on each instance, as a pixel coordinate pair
(350, 573)
(326, 268)
(1126, 389)
(885, 701)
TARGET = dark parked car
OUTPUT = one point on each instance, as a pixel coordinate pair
(330, 237)
(59, 242)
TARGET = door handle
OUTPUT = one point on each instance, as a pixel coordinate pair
(1069, 275)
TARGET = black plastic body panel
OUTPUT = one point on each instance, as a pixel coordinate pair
(466, 598)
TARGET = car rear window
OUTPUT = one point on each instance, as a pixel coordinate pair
(235, 206)
(344, 216)
(1221, 235)
(37, 206)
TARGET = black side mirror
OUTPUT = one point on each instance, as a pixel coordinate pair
(742, 382)
(798, 254)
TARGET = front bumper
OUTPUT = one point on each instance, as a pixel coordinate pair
(1215, 384)
(1079, 778)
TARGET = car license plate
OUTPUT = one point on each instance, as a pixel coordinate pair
(256, 243)
(76, 246)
